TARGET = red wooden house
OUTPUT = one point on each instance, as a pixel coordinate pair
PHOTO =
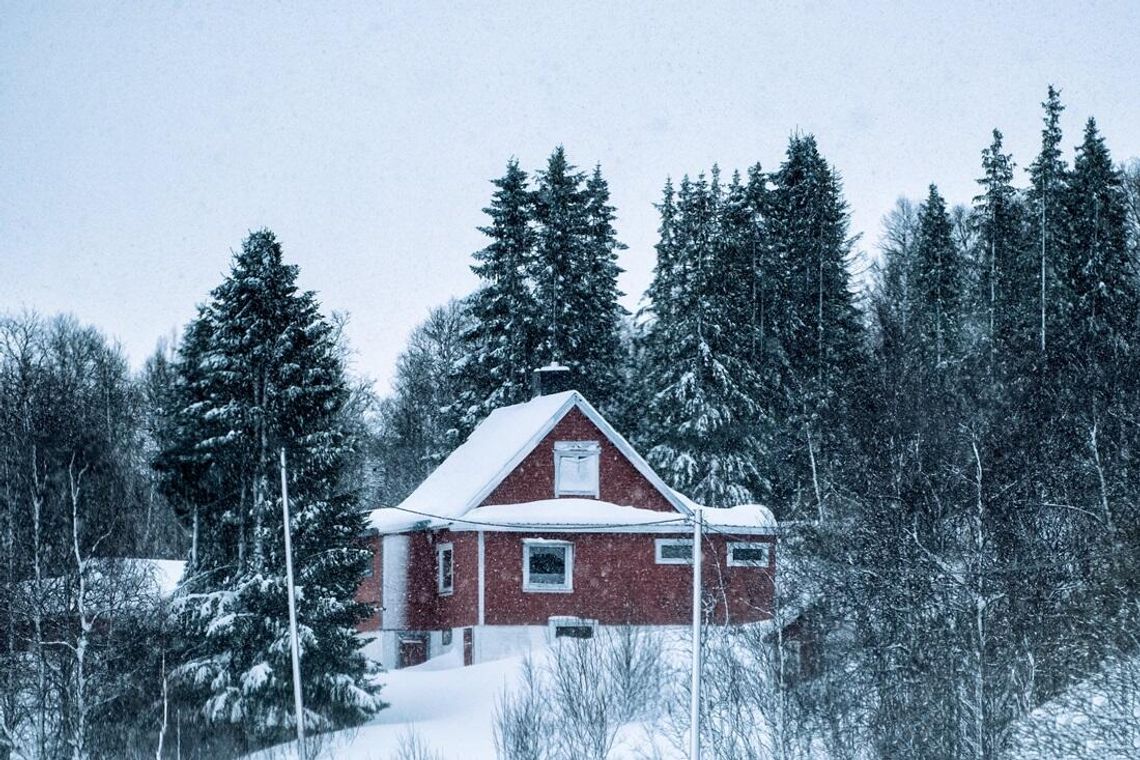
(546, 523)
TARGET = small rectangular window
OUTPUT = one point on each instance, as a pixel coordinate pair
(674, 551)
(753, 554)
(445, 570)
(570, 627)
(576, 468)
(548, 566)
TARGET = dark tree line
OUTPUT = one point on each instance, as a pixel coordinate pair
(953, 449)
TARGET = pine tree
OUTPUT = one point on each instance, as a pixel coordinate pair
(1098, 396)
(1099, 272)
(259, 370)
(560, 215)
(936, 304)
(1046, 203)
(502, 340)
(575, 278)
(1005, 278)
(703, 422)
(600, 340)
(820, 332)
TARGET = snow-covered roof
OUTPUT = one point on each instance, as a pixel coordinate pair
(590, 514)
(582, 515)
(492, 451)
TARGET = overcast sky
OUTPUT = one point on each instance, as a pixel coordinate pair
(140, 142)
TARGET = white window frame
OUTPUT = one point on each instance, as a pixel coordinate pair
(734, 545)
(577, 449)
(546, 588)
(662, 560)
(555, 622)
(439, 550)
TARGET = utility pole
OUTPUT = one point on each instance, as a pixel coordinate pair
(294, 645)
(695, 692)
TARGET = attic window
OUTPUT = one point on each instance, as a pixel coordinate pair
(576, 468)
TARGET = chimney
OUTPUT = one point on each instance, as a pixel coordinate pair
(553, 378)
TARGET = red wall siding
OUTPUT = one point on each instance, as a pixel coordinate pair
(617, 580)
(619, 481)
(369, 591)
(427, 610)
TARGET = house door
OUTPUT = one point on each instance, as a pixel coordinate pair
(468, 646)
(413, 650)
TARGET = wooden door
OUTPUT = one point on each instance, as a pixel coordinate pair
(413, 651)
(468, 646)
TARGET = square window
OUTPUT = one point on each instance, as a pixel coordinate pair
(576, 468)
(752, 554)
(548, 566)
(445, 571)
(674, 551)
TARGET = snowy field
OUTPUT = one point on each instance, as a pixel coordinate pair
(449, 711)
(447, 706)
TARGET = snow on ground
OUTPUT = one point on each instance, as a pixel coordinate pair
(450, 709)
(449, 706)
(1096, 719)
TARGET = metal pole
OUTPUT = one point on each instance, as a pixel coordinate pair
(695, 692)
(294, 645)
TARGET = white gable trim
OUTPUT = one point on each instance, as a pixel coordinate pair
(621, 444)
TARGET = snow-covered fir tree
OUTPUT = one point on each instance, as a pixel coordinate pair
(820, 328)
(600, 345)
(1004, 276)
(1046, 200)
(575, 275)
(703, 422)
(259, 371)
(937, 302)
(501, 336)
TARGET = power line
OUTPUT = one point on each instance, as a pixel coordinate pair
(679, 521)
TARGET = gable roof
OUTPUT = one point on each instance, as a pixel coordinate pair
(497, 446)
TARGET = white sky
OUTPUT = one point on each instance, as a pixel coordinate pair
(140, 142)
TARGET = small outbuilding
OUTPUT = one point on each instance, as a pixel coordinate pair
(547, 523)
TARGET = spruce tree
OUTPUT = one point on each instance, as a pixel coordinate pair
(1006, 293)
(820, 331)
(1100, 275)
(703, 422)
(600, 343)
(936, 302)
(561, 256)
(1100, 393)
(259, 371)
(575, 279)
(501, 342)
(1046, 199)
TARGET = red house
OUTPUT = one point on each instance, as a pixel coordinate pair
(547, 523)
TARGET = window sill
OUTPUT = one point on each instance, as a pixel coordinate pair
(449, 592)
(544, 590)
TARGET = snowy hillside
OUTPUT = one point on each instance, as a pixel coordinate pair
(632, 691)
